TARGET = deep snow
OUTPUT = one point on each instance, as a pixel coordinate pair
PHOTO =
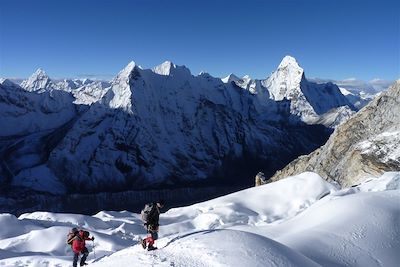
(299, 221)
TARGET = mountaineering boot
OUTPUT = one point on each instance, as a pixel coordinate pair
(143, 242)
(150, 248)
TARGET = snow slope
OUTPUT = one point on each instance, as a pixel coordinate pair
(299, 221)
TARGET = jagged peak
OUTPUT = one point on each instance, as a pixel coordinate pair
(37, 81)
(289, 62)
(168, 68)
(230, 78)
(128, 68)
(125, 73)
(246, 78)
(40, 72)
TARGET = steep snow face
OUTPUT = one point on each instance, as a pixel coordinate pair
(25, 112)
(172, 129)
(31, 125)
(307, 100)
(285, 81)
(287, 223)
(39, 81)
(230, 78)
(119, 95)
(167, 126)
(170, 69)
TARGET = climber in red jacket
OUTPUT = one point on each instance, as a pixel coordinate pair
(79, 246)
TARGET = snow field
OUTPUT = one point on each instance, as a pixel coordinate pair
(299, 221)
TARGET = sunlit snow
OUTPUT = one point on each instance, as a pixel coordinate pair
(299, 221)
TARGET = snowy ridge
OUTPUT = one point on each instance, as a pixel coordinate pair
(160, 126)
(241, 229)
(358, 99)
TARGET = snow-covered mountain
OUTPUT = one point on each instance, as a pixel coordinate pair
(308, 100)
(365, 145)
(360, 99)
(167, 126)
(39, 81)
(298, 221)
(160, 127)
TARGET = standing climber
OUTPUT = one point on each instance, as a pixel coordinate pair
(77, 242)
(150, 216)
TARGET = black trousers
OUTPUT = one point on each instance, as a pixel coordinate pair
(85, 253)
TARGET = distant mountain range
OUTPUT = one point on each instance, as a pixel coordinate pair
(160, 128)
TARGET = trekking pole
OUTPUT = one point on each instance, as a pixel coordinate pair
(94, 251)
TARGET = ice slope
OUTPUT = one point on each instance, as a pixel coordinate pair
(298, 221)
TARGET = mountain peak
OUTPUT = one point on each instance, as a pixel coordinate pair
(168, 68)
(125, 73)
(128, 68)
(164, 68)
(37, 81)
(289, 61)
(40, 72)
(230, 78)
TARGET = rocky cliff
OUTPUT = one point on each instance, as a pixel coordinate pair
(366, 145)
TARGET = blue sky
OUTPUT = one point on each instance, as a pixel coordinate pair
(335, 39)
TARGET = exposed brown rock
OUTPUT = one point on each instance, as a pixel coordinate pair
(360, 148)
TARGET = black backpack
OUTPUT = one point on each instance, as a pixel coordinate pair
(86, 234)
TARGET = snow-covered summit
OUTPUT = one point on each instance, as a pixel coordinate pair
(168, 68)
(307, 99)
(125, 72)
(38, 81)
(285, 81)
(119, 95)
(289, 62)
(230, 78)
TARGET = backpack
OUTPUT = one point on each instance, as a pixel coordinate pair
(71, 235)
(146, 212)
(86, 233)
